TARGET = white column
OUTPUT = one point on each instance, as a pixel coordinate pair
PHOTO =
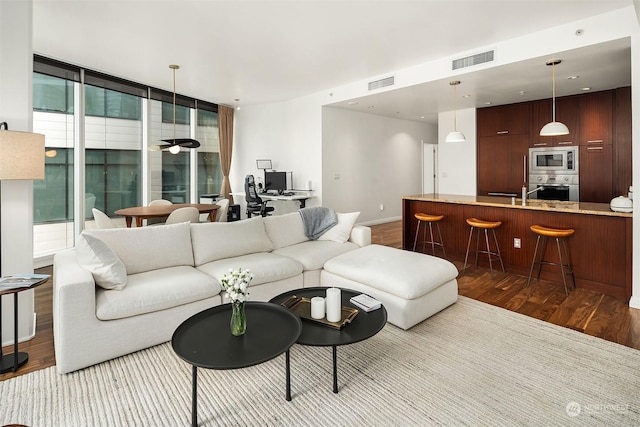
(16, 203)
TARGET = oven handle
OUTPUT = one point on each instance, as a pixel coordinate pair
(552, 185)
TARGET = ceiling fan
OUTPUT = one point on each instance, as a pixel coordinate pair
(174, 144)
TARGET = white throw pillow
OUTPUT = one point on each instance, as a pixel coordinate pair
(107, 269)
(342, 230)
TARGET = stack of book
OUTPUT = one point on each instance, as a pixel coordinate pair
(365, 302)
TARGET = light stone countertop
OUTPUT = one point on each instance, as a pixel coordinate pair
(532, 204)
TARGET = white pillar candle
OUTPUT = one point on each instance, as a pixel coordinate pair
(334, 305)
(317, 308)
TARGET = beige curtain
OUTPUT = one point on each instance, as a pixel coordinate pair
(225, 133)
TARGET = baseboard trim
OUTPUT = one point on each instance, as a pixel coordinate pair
(381, 221)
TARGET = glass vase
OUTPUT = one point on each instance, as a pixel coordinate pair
(238, 319)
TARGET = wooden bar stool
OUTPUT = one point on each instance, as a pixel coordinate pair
(429, 219)
(560, 235)
(486, 226)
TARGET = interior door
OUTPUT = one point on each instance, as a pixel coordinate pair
(429, 168)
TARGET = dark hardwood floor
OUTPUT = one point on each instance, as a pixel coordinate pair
(589, 312)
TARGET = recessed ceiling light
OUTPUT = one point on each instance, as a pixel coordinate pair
(586, 88)
(572, 77)
(353, 103)
(371, 107)
(422, 117)
(467, 95)
(487, 103)
(522, 92)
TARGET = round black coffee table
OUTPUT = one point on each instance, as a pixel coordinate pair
(363, 326)
(205, 341)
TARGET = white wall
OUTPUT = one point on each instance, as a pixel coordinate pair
(16, 108)
(457, 160)
(289, 133)
(369, 161)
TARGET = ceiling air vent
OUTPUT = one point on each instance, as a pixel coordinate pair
(389, 81)
(476, 59)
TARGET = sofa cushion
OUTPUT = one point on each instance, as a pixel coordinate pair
(313, 254)
(405, 274)
(285, 230)
(107, 269)
(265, 266)
(218, 240)
(342, 230)
(154, 291)
(149, 248)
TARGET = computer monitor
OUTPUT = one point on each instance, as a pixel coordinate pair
(275, 181)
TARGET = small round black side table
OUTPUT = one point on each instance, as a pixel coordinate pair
(363, 326)
(204, 340)
(11, 362)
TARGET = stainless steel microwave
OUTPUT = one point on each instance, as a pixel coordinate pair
(553, 160)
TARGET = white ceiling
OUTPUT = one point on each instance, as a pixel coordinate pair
(267, 51)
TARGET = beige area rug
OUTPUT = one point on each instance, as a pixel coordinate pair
(472, 364)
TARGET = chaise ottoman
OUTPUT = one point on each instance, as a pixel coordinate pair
(412, 286)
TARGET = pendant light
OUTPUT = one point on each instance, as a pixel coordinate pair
(174, 144)
(455, 136)
(554, 128)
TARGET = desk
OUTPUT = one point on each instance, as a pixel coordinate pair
(141, 213)
(299, 197)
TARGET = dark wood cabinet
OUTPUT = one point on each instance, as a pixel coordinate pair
(622, 147)
(567, 112)
(501, 163)
(596, 173)
(600, 123)
(511, 119)
(596, 118)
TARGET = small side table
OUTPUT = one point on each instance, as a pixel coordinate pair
(11, 362)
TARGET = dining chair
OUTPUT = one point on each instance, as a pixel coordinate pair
(221, 213)
(102, 220)
(188, 214)
(157, 202)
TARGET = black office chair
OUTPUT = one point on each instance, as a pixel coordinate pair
(255, 204)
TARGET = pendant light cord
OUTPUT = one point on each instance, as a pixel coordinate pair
(174, 103)
(455, 110)
(553, 75)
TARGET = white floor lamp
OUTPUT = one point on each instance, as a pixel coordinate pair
(21, 157)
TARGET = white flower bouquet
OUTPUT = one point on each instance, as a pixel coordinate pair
(236, 283)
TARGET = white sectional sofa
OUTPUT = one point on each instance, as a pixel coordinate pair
(123, 290)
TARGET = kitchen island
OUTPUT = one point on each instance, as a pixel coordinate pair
(600, 249)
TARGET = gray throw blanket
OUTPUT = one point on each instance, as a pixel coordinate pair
(317, 220)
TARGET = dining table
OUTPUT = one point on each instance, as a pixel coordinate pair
(140, 213)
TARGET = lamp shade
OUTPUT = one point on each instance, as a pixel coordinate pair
(455, 136)
(554, 129)
(21, 155)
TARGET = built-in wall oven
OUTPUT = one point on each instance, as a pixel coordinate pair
(553, 173)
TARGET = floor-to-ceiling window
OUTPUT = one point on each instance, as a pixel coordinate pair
(113, 122)
(113, 134)
(54, 91)
(208, 155)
